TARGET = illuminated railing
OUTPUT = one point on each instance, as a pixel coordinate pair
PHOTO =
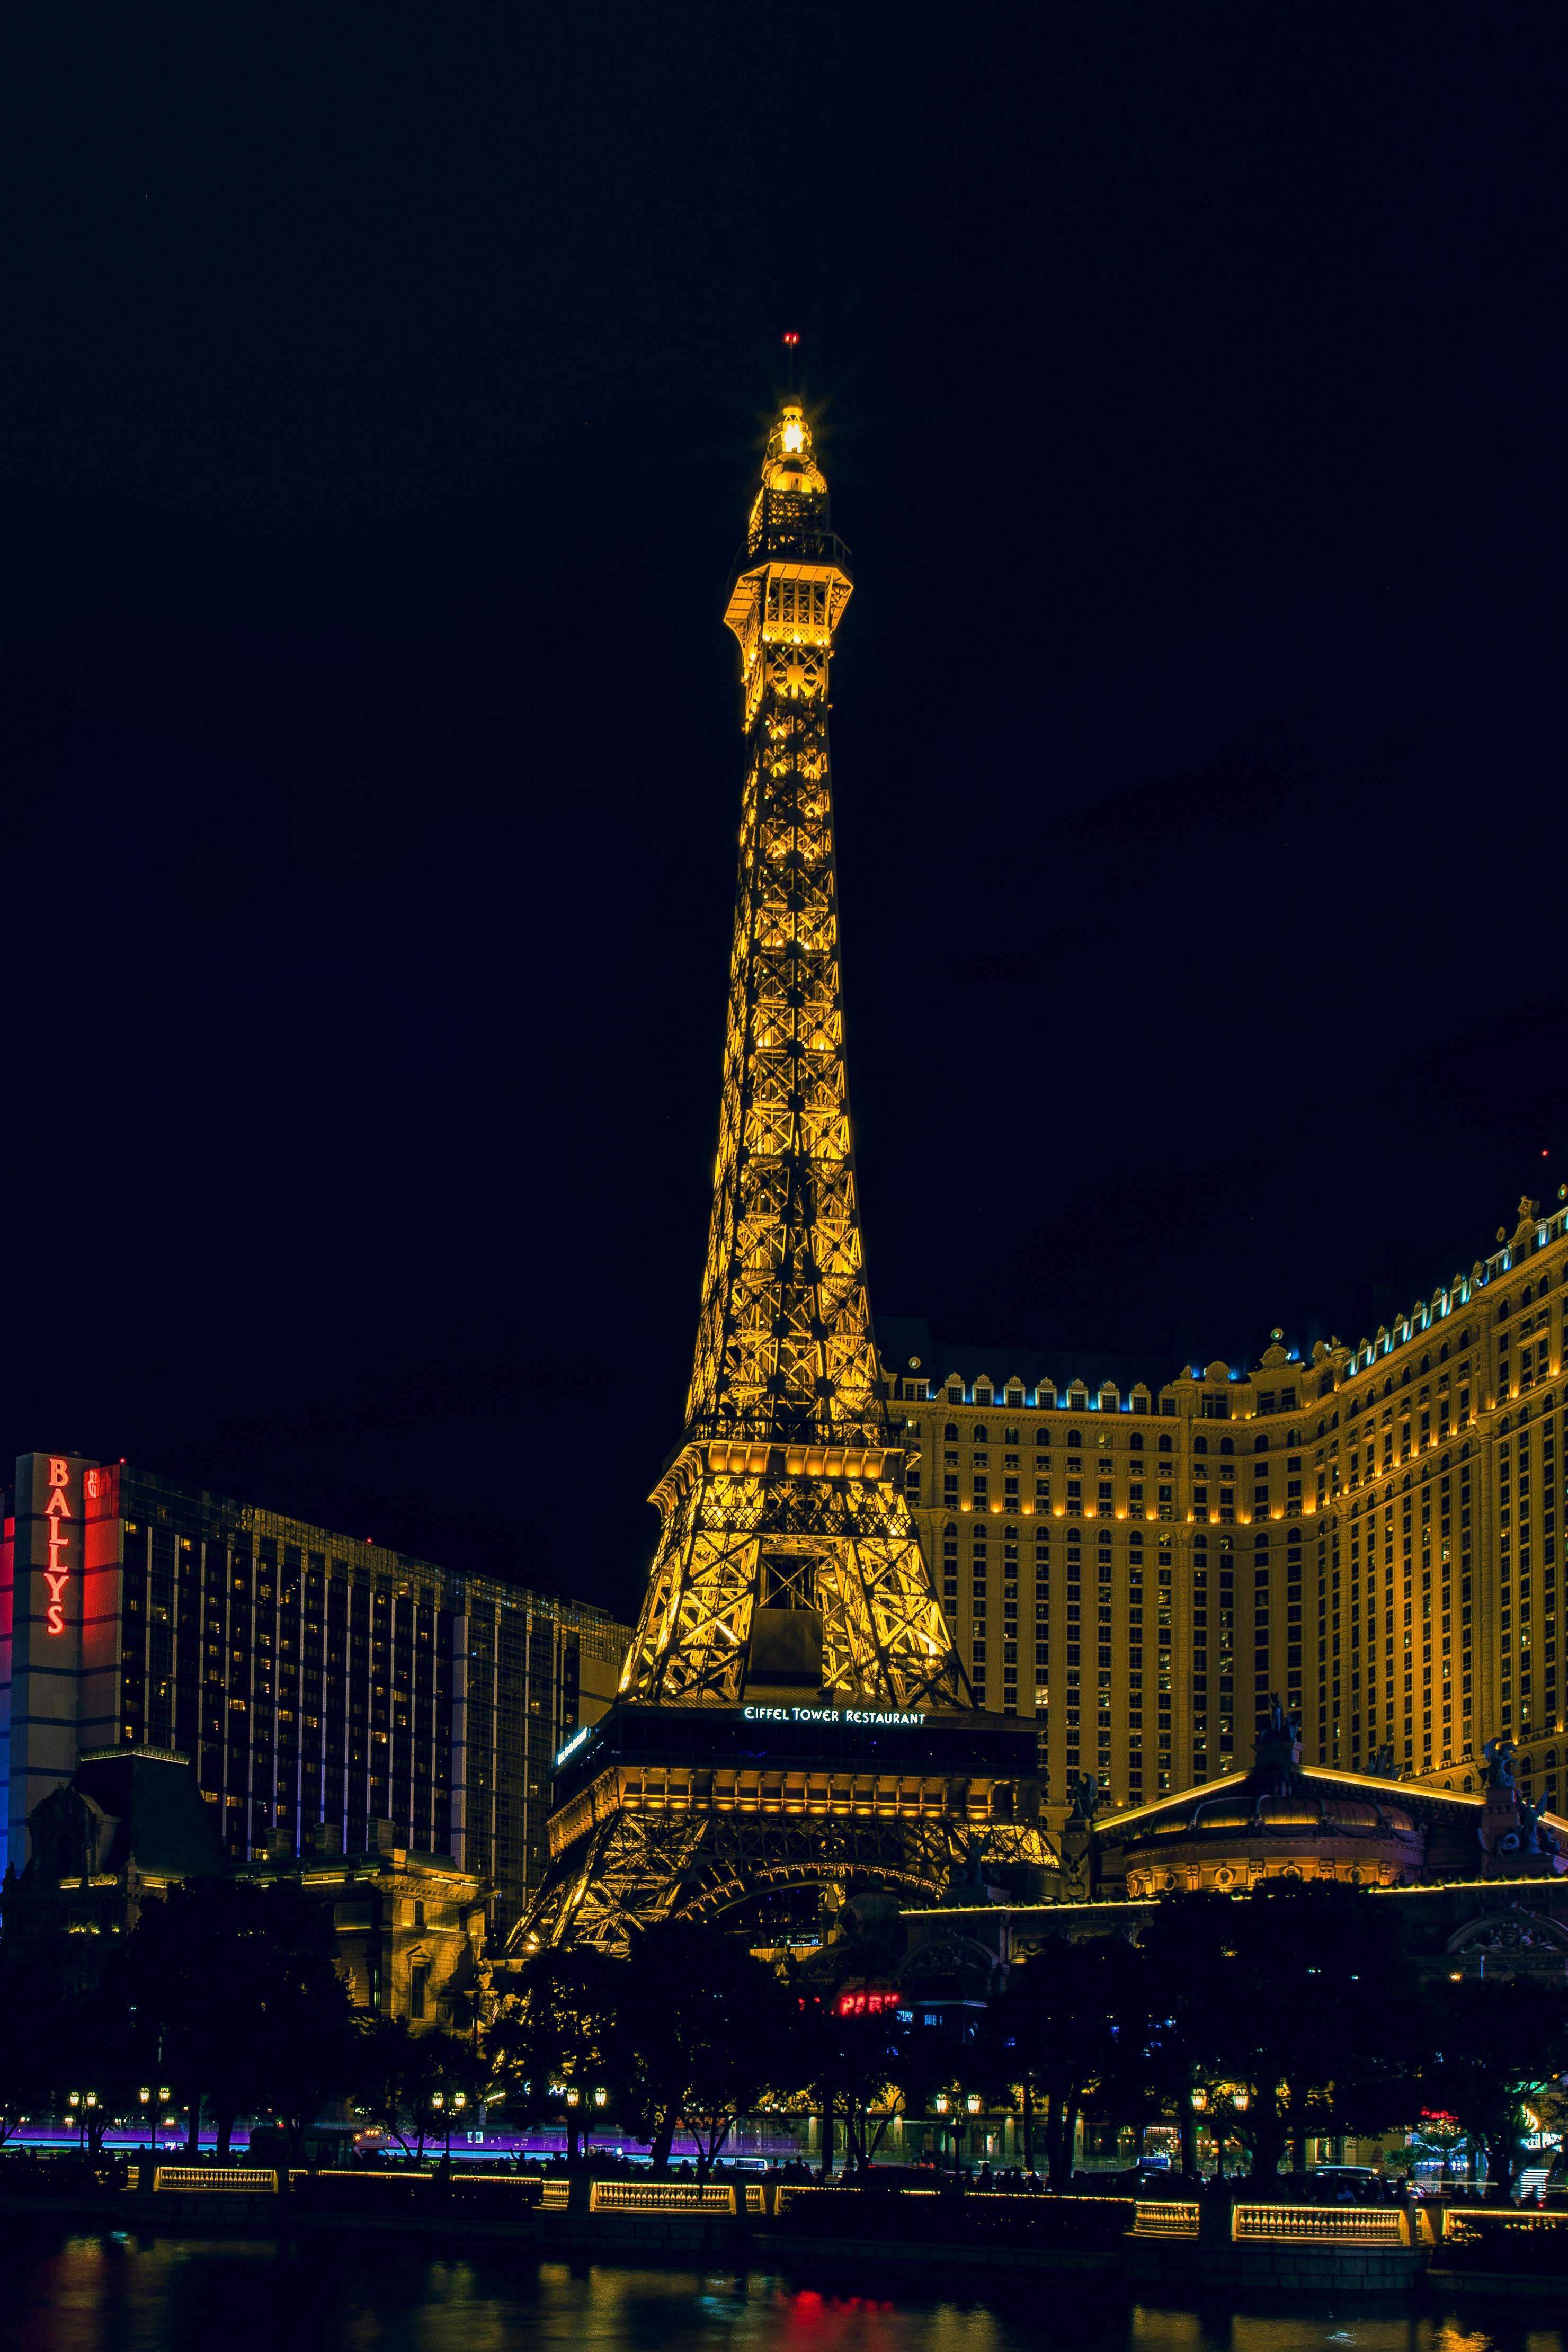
(810, 2191)
(659, 2197)
(1353, 2225)
(236, 2179)
(1473, 2227)
(401, 2179)
(1158, 2218)
(557, 2193)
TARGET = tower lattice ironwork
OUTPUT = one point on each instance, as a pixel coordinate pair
(787, 1498)
(791, 1715)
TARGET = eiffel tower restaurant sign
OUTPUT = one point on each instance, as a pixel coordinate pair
(891, 1715)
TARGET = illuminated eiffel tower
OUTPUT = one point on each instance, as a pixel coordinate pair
(792, 1713)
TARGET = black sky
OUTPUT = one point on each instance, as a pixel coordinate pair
(385, 396)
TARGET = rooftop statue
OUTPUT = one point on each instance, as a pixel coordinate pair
(969, 1873)
(1087, 1798)
(1534, 1837)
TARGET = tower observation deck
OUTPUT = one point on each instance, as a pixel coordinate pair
(793, 1716)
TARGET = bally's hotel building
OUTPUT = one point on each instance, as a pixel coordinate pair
(311, 1678)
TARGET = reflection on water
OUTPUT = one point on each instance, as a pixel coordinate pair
(118, 2294)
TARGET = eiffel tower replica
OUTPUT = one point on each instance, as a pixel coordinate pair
(792, 1721)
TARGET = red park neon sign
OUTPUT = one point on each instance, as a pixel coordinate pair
(57, 1575)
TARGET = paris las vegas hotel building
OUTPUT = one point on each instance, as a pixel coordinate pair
(1372, 1534)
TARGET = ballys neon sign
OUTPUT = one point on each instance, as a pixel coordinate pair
(57, 1513)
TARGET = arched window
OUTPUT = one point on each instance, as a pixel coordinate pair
(1228, 1445)
(1200, 1446)
(1505, 1309)
(1543, 1286)
(1260, 1445)
(1526, 1295)
(1292, 1437)
(1404, 1377)
(1465, 1451)
(1468, 1781)
(1164, 1445)
(1426, 1363)
(1009, 1437)
(1443, 1353)
(1042, 1437)
(1074, 1438)
(982, 1434)
(950, 1433)
(1135, 1443)
(1388, 1388)
(1322, 1429)
(1464, 1340)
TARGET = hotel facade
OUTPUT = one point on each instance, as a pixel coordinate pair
(1137, 1563)
(316, 1683)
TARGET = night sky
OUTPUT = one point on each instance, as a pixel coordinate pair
(385, 394)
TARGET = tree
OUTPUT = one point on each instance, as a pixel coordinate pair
(409, 2083)
(561, 2032)
(1497, 2049)
(1072, 2021)
(35, 2001)
(704, 2027)
(850, 2064)
(1288, 2007)
(239, 2002)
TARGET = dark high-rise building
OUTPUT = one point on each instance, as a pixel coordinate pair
(316, 1682)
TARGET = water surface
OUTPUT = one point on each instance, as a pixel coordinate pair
(66, 2293)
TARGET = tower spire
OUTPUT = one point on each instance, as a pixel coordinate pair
(787, 1561)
